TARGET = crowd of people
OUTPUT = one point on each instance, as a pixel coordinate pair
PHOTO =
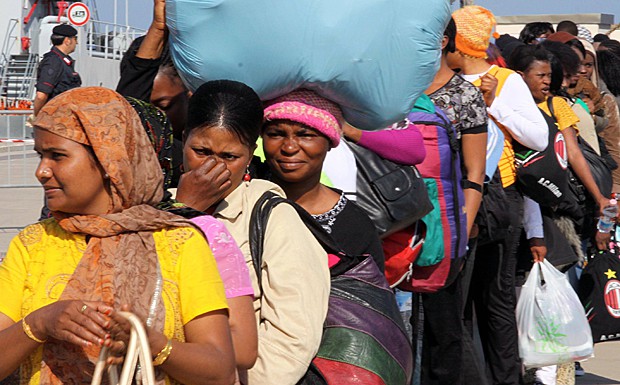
(151, 191)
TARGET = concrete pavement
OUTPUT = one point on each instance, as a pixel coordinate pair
(604, 368)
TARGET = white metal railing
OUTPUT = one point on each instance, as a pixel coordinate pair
(13, 125)
(109, 40)
(18, 162)
(7, 45)
(17, 157)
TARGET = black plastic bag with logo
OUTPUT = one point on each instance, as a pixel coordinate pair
(599, 292)
(543, 175)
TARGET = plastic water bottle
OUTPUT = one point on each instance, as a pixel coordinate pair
(404, 301)
(606, 221)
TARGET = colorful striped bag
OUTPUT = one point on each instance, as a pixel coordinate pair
(364, 338)
(442, 165)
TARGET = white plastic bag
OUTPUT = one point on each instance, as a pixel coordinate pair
(553, 327)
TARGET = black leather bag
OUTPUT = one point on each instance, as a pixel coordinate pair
(599, 167)
(394, 196)
(573, 204)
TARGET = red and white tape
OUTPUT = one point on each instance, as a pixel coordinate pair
(26, 141)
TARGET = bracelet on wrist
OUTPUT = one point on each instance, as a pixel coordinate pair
(29, 332)
(163, 355)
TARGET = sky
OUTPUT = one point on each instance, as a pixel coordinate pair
(140, 10)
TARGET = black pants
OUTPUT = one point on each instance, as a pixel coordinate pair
(448, 353)
(442, 347)
(492, 292)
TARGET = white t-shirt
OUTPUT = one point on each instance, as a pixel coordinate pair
(516, 110)
(341, 169)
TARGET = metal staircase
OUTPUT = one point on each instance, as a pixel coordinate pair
(17, 71)
(19, 77)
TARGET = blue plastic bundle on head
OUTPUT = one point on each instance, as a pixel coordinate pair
(372, 57)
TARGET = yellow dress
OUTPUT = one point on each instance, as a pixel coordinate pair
(42, 258)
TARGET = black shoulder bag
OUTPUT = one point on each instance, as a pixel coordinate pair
(394, 196)
(542, 175)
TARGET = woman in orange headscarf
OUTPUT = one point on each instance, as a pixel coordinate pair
(106, 248)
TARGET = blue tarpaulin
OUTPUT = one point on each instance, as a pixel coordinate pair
(372, 57)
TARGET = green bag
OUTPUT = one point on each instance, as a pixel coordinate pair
(433, 249)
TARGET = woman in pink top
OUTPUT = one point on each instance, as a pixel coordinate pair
(230, 260)
(236, 278)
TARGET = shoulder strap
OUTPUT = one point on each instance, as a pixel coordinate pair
(550, 105)
(258, 225)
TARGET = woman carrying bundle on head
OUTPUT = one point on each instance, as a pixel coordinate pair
(300, 128)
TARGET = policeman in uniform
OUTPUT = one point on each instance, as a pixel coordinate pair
(56, 72)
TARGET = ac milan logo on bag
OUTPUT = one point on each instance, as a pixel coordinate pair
(560, 150)
(612, 298)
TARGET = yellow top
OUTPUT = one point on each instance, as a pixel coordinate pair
(506, 165)
(43, 256)
(564, 115)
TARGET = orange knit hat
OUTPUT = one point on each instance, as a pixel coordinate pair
(474, 26)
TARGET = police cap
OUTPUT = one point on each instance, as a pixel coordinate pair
(64, 30)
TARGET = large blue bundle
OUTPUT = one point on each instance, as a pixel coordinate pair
(373, 57)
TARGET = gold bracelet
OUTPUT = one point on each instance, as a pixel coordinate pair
(163, 355)
(29, 333)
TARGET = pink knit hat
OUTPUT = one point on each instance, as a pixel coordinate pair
(308, 108)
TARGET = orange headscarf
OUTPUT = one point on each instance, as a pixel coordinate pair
(120, 264)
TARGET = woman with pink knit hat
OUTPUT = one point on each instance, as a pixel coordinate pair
(510, 104)
(300, 128)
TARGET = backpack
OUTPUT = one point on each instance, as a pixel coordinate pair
(364, 337)
(542, 175)
(443, 165)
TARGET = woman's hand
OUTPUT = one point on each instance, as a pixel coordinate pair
(602, 240)
(204, 186)
(159, 15)
(119, 330)
(78, 322)
(538, 249)
(351, 133)
(589, 103)
(488, 87)
(153, 44)
(602, 202)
